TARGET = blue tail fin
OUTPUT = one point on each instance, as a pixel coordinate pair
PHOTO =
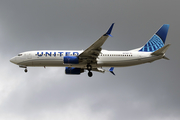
(157, 41)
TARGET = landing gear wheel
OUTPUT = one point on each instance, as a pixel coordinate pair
(90, 74)
(25, 70)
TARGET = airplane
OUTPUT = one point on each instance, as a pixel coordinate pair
(94, 57)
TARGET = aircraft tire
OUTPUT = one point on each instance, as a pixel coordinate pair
(25, 70)
(90, 74)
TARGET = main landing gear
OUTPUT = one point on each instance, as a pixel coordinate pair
(90, 74)
(89, 68)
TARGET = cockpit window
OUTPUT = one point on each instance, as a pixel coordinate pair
(19, 54)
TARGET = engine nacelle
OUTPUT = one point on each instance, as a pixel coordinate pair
(71, 60)
(73, 70)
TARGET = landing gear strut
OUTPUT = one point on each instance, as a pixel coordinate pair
(89, 68)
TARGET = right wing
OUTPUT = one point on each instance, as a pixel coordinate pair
(90, 54)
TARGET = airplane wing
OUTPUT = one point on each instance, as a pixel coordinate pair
(103, 70)
(90, 54)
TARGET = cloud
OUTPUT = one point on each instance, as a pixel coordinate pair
(149, 91)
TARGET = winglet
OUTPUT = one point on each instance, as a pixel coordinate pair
(111, 70)
(109, 31)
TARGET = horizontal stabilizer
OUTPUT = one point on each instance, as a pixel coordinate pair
(166, 58)
(161, 51)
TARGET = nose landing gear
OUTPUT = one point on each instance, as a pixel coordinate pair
(25, 70)
(23, 66)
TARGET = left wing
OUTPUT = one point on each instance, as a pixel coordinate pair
(103, 70)
(90, 54)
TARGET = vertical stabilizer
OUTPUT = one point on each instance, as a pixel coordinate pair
(162, 32)
(157, 41)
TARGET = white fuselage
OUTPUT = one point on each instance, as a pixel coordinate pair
(105, 58)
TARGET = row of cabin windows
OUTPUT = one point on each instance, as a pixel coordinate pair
(100, 55)
(114, 55)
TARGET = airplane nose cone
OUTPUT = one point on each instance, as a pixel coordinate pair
(13, 60)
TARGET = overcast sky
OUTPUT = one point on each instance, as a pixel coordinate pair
(145, 92)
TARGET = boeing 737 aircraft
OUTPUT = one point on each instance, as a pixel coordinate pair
(94, 57)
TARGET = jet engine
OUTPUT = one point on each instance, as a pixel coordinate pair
(73, 70)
